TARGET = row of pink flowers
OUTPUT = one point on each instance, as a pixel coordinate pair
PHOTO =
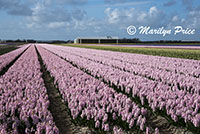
(185, 66)
(184, 79)
(90, 98)
(177, 103)
(9, 57)
(23, 98)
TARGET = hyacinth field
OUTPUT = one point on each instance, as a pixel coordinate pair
(47, 89)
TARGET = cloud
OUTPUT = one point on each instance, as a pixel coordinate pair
(133, 3)
(175, 18)
(74, 2)
(15, 7)
(66, 2)
(24, 8)
(79, 14)
(115, 1)
(135, 17)
(113, 15)
(44, 15)
(193, 18)
(188, 4)
(170, 3)
(56, 24)
(22, 11)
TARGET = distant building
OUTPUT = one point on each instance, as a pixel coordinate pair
(96, 40)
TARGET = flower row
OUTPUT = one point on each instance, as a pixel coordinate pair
(23, 98)
(172, 78)
(90, 99)
(9, 57)
(186, 66)
(178, 104)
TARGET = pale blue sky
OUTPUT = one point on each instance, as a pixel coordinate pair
(68, 19)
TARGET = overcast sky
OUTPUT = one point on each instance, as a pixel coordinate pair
(68, 19)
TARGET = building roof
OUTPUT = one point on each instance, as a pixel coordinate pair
(108, 37)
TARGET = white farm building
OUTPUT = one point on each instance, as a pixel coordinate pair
(96, 40)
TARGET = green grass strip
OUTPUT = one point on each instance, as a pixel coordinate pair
(4, 49)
